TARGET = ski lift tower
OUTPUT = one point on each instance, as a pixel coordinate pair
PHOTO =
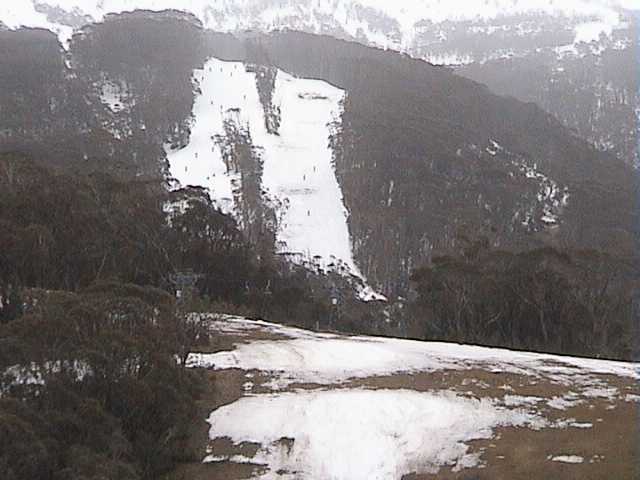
(184, 282)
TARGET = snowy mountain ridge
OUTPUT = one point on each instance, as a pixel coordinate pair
(356, 173)
(396, 25)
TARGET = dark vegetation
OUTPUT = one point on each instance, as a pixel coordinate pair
(96, 393)
(91, 240)
(412, 157)
(63, 231)
(51, 100)
(568, 301)
(89, 328)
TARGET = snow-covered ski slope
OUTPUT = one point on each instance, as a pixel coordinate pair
(297, 160)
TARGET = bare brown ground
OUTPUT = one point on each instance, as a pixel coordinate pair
(610, 448)
(225, 341)
(220, 388)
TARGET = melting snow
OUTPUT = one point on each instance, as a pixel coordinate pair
(567, 459)
(307, 357)
(399, 431)
(601, 392)
(562, 403)
(520, 401)
(312, 433)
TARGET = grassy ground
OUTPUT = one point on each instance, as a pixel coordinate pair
(609, 447)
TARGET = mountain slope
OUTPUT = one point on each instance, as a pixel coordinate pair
(498, 32)
(535, 50)
(264, 145)
(419, 153)
(593, 90)
(407, 25)
(422, 152)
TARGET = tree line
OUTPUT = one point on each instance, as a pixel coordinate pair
(548, 299)
(90, 388)
(92, 343)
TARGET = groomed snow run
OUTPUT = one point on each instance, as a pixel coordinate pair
(297, 161)
(397, 432)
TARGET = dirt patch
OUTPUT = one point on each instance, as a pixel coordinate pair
(609, 449)
(217, 471)
(220, 388)
(607, 442)
(224, 446)
(473, 382)
(227, 342)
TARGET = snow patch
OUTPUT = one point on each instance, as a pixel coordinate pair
(601, 392)
(397, 431)
(114, 96)
(308, 357)
(567, 459)
(562, 403)
(22, 13)
(385, 24)
(520, 401)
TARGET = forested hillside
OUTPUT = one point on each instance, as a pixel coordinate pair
(426, 162)
(89, 325)
(155, 174)
(420, 152)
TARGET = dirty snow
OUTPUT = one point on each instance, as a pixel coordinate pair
(309, 433)
(567, 401)
(520, 401)
(307, 357)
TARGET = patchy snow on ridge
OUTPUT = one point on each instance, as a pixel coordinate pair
(22, 13)
(398, 432)
(114, 96)
(380, 22)
(552, 197)
(297, 160)
(308, 357)
(304, 419)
